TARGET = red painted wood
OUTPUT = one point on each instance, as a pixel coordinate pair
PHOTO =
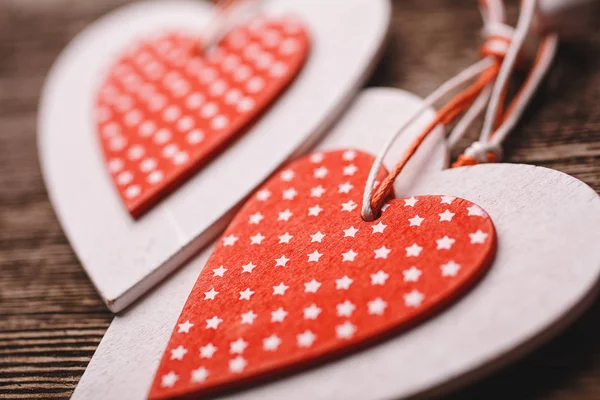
(165, 108)
(298, 276)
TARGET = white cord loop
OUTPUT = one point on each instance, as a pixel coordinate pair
(498, 37)
(546, 55)
(479, 151)
(508, 64)
(502, 43)
(493, 13)
(448, 86)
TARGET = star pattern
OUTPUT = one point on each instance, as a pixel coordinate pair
(178, 353)
(271, 343)
(263, 195)
(289, 194)
(312, 312)
(237, 365)
(285, 238)
(278, 315)
(281, 261)
(350, 170)
(379, 227)
(256, 218)
(213, 323)
(246, 294)
(249, 317)
(410, 202)
(475, 210)
(382, 252)
(257, 239)
(478, 237)
(379, 278)
(377, 306)
(320, 172)
(349, 155)
(345, 330)
(350, 232)
(412, 274)
(345, 187)
(350, 255)
(229, 240)
(450, 268)
(285, 215)
(199, 375)
(211, 294)
(168, 380)
(343, 283)
(306, 339)
(317, 237)
(238, 346)
(314, 256)
(248, 267)
(445, 243)
(280, 289)
(317, 158)
(447, 199)
(185, 327)
(163, 109)
(413, 250)
(287, 175)
(349, 206)
(413, 299)
(317, 191)
(314, 284)
(416, 221)
(207, 351)
(446, 216)
(315, 211)
(345, 309)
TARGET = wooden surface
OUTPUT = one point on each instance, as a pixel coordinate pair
(51, 320)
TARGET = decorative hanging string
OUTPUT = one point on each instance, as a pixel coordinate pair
(474, 99)
(445, 116)
(498, 38)
(489, 147)
(226, 15)
(492, 13)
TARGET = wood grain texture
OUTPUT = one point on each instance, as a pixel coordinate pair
(51, 319)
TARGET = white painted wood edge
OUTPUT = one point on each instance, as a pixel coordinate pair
(538, 284)
(125, 258)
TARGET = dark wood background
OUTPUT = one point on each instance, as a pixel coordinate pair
(51, 319)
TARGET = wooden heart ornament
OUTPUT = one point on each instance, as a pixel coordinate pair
(544, 275)
(166, 108)
(125, 257)
(299, 276)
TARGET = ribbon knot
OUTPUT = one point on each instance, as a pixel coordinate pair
(479, 153)
(498, 37)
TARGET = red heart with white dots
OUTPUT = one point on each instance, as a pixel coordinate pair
(299, 276)
(166, 108)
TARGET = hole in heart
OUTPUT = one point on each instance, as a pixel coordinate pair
(166, 109)
(299, 277)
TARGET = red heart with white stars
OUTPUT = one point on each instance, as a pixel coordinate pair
(299, 276)
(166, 108)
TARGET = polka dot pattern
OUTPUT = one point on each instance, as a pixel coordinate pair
(165, 108)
